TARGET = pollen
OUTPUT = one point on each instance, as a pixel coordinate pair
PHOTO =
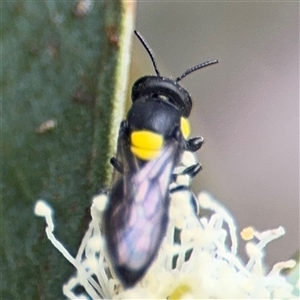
(247, 233)
(180, 292)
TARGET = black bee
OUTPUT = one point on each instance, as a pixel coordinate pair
(150, 145)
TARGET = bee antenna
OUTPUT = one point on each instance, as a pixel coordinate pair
(149, 50)
(195, 68)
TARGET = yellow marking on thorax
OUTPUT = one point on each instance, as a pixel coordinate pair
(146, 144)
(185, 127)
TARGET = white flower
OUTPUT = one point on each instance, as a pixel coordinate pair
(194, 261)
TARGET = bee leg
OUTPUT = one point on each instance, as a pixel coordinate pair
(184, 178)
(123, 130)
(117, 165)
(193, 170)
(194, 144)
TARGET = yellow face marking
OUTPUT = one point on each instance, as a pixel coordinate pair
(146, 144)
(185, 127)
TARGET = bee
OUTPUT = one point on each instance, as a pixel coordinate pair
(151, 142)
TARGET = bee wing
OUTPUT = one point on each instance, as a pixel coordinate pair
(137, 216)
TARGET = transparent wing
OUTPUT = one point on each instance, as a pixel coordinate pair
(136, 219)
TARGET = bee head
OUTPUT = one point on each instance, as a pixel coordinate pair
(165, 88)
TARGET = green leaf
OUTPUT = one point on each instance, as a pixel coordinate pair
(64, 75)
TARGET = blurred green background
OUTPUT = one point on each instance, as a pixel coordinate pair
(246, 107)
(57, 64)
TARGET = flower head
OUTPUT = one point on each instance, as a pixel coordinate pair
(194, 261)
